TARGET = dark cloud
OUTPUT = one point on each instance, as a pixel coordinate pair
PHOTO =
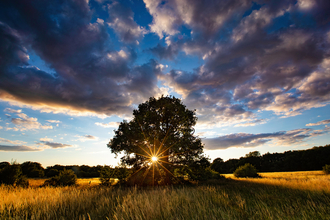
(258, 55)
(165, 52)
(121, 20)
(54, 144)
(260, 64)
(252, 140)
(89, 74)
(17, 148)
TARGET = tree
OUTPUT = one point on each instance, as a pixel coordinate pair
(159, 137)
(32, 169)
(253, 154)
(11, 174)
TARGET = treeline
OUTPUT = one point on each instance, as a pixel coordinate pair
(35, 170)
(301, 160)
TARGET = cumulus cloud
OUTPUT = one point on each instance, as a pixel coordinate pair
(255, 56)
(108, 125)
(121, 20)
(252, 140)
(259, 66)
(319, 123)
(90, 76)
(12, 110)
(23, 123)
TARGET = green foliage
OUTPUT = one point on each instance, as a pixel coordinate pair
(11, 174)
(246, 170)
(32, 169)
(326, 169)
(161, 127)
(109, 175)
(253, 154)
(64, 178)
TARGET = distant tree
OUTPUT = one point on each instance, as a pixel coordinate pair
(51, 172)
(246, 170)
(160, 128)
(253, 154)
(12, 175)
(32, 169)
(218, 165)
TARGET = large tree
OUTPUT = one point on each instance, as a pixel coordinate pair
(160, 136)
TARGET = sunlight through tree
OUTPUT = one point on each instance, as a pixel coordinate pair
(158, 139)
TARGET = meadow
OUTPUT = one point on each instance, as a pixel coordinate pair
(289, 195)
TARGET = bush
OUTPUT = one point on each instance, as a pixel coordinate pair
(107, 175)
(64, 178)
(11, 174)
(247, 170)
(326, 169)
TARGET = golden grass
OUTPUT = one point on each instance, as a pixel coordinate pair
(265, 198)
(303, 180)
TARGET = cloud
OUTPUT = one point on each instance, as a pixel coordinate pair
(18, 148)
(45, 139)
(257, 66)
(12, 110)
(252, 140)
(54, 144)
(121, 20)
(108, 125)
(254, 56)
(319, 123)
(17, 142)
(90, 76)
(24, 123)
(86, 137)
(54, 121)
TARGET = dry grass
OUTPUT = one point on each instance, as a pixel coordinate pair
(303, 180)
(265, 198)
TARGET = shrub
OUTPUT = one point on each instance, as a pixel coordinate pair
(326, 169)
(64, 178)
(107, 175)
(247, 170)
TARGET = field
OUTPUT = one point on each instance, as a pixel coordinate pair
(289, 195)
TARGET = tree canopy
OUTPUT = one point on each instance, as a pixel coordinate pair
(160, 135)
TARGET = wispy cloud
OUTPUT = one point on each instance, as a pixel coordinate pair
(86, 138)
(108, 125)
(252, 140)
(18, 148)
(17, 142)
(54, 144)
(319, 123)
(54, 121)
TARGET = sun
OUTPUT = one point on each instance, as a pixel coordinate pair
(154, 159)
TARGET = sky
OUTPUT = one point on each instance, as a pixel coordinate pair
(257, 73)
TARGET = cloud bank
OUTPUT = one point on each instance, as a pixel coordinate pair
(255, 56)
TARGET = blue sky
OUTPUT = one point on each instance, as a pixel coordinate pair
(257, 73)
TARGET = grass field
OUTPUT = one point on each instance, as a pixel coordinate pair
(295, 195)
